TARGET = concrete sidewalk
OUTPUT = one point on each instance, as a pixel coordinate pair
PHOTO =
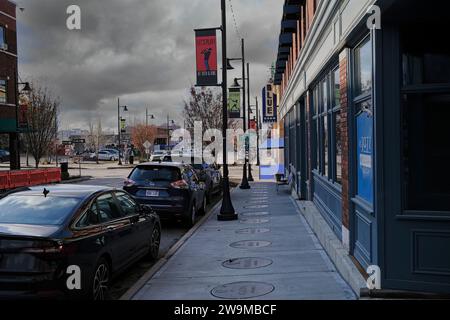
(269, 254)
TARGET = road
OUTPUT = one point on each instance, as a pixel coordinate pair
(171, 233)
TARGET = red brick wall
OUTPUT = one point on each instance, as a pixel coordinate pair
(343, 61)
(8, 7)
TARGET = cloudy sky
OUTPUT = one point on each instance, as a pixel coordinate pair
(139, 50)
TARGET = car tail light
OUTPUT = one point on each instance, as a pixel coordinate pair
(180, 184)
(44, 248)
(129, 183)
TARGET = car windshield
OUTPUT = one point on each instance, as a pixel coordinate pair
(155, 173)
(36, 210)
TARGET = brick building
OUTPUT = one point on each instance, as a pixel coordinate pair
(8, 78)
(365, 114)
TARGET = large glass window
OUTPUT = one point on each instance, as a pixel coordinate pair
(364, 121)
(363, 68)
(3, 91)
(425, 114)
(336, 118)
(2, 36)
(327, 121)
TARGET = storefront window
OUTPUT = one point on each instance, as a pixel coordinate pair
(328, 127)
(3, 93)
(364, 121)
(363, 67)
(425, 114)
(2, 36)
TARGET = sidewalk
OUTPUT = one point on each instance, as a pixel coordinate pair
(286, 259)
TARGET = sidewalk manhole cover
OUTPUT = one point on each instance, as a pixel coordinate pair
(242, 290)
(247, 263)
(256, 206)
(246, 244)
(254, 220)
(255, 214)
(253, 231)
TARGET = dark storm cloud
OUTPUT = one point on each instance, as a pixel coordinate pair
(140, 50)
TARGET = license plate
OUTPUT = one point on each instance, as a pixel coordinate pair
(152, 193)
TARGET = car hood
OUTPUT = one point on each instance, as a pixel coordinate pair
(27, 230)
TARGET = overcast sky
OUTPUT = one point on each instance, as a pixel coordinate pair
(139, 50)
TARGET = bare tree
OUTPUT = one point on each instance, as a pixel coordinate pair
(96, 137)
(204, 105)
(142, 133)
(42, 122)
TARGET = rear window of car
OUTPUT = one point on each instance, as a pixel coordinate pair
(155, 173)
(36, 210)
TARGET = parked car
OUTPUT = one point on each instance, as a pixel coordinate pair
(159, 155)
(210, 175)
(173, 190)
(4, 156)
(45, 230)
(105, 156)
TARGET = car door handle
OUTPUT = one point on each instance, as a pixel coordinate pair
(110, 229)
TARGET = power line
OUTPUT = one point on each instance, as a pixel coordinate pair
(238, 34)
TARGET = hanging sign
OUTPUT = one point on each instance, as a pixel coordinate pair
(269, 99)
(206, 48)
(234, 103)
(123, 125)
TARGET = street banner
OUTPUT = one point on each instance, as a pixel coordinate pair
(206, 48)
(234, 103)
(123, 125)
(253, 124)
(23, 111)
(269, 100)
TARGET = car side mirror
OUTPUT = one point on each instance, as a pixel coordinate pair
(146, 209)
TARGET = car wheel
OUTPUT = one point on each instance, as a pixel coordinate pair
(101, 280)
(190, 219)
(155, 241)
(202, 210)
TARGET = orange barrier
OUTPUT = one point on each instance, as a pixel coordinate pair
(19, 179)
(53, 175)
(4, 180)
(37, 177)
(27, 178)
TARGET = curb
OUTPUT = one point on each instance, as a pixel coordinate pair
(82, 179)
(337, 253)
(162, 261)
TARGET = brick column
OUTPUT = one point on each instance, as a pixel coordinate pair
(343, 70)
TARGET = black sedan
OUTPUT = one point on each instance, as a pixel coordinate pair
(71, 240)
(173, 190)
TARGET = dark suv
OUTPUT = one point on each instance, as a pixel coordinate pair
(173, 190)
(4, 156)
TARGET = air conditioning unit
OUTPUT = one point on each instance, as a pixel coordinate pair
(3, 46)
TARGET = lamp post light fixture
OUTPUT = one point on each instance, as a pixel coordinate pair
(119, 120)
(151, 116)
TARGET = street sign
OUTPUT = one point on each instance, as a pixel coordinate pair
(147, 146)
(79, 141)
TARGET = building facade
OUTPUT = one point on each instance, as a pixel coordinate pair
(365, 97)
(8, 78)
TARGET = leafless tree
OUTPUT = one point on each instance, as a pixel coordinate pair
(96, 138)
(42, 121)
(204, 105)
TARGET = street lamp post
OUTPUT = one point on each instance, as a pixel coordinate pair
(168, 131)
(125, 108)
(227, 212)
(258, 163)
(250, 176)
